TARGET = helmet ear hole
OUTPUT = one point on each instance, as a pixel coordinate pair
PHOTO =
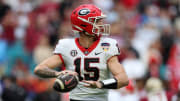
(92, 19)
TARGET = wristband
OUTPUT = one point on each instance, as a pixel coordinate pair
(109, 83)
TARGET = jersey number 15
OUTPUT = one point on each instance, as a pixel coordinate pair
(87, 68)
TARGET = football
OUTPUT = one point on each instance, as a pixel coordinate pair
(65, 82)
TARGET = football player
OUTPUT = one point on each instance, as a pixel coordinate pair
(90, 56)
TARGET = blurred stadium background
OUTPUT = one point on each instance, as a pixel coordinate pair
(148, 33)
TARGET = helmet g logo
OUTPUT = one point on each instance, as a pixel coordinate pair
(83, 12)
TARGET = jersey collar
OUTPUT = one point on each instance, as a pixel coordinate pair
(84, 50)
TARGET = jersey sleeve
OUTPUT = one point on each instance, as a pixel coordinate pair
(59, 49)
(113, 50)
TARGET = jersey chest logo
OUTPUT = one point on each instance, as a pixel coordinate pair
(97, 53)
(73, 53)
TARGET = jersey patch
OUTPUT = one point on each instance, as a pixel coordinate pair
(105, 46)
(74, 53)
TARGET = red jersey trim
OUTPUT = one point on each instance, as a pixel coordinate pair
(93, 46)
(63, 66)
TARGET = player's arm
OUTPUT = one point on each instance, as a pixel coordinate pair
(118, 72)
(46, 68)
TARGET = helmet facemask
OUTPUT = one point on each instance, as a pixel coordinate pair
(97, 30)
(103, 29)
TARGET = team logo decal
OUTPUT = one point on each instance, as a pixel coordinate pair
(83, 12)
(73, 53)
(105, 46)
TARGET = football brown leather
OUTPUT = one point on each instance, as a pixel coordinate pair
(65, 82)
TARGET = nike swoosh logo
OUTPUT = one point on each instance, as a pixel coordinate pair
(98, 53)
(67, 82)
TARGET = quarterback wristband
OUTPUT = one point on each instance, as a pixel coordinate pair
(109, 83)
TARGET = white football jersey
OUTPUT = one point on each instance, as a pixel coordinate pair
(90, 64)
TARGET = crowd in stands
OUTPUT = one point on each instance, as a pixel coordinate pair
(147, 31)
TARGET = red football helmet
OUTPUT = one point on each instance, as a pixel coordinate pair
(85, 18)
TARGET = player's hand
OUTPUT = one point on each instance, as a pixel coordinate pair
(66, 72)
(92, 84)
